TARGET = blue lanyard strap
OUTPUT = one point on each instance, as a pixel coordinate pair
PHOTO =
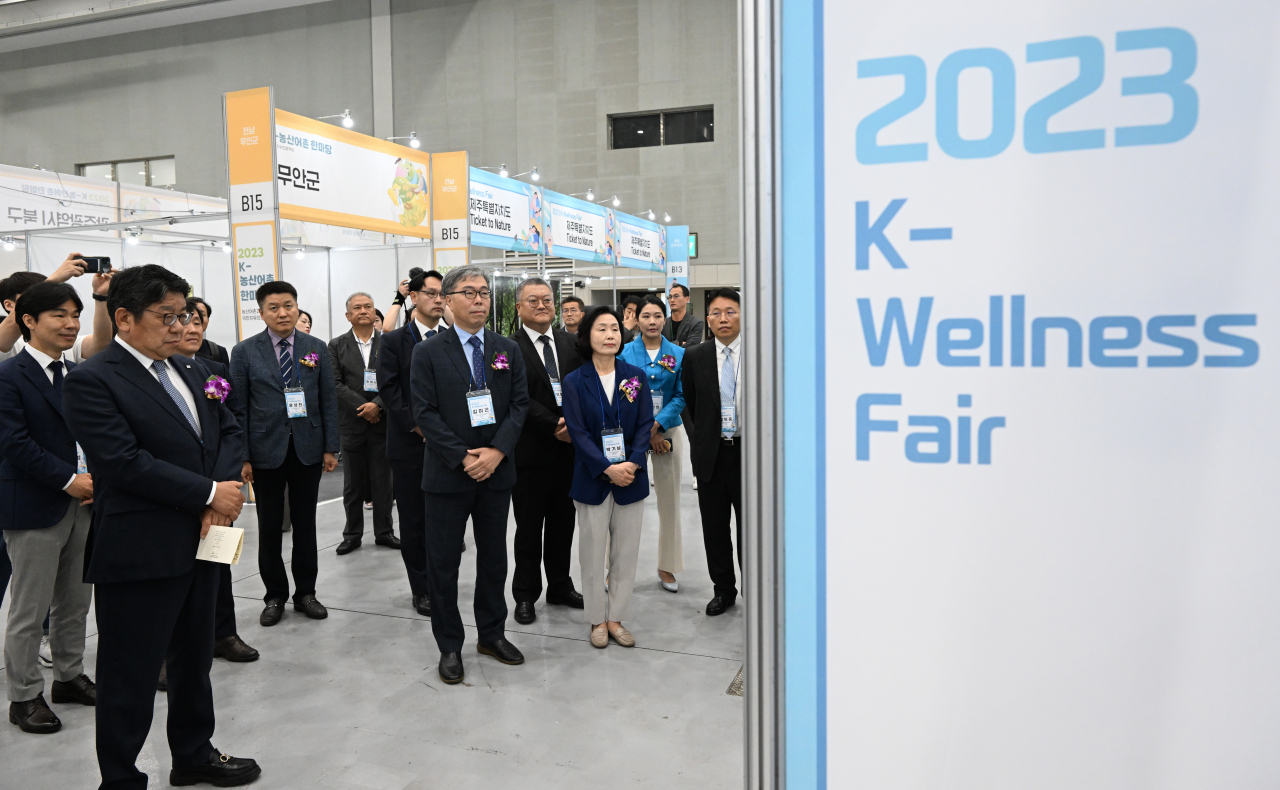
(617, 408)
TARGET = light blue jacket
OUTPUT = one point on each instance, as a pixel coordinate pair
(661, 380)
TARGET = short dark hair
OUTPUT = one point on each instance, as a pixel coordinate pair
(192, 301)
(41, 298)
(193, 304)
(138, 287)
(310, 320)
(584, 329)
(581, 304)
(418, 280)
(722, 293)
(275, 287)
(651, 299)
(17, 283)
(635, 300)
(681, 286)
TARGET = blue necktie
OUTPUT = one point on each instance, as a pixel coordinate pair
(162, 372)
(728, 382)
(286, 362)
(477, 362)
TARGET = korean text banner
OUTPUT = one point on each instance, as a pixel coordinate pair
(641, 244)
(334, 176)
(505, 214)
(42, 199)
(253, 207)
(580, 230)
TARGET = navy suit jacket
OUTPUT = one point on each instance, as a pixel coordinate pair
(394, 372)
(584, 403)
(257, 401)
(151, 474)
(440, 380)
(538, 443)
(37, 451)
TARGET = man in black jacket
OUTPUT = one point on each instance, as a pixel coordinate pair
(682, 327)
(544, 458)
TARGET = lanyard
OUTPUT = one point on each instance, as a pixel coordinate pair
(617, 408)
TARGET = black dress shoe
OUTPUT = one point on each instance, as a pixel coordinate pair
(79, 689)
(222, 770)
(719, 605)
(348, 546)
(233, 648)
(34, 716)
(162, 683)
(451, 668)
(571, 599)
(502, 650)
(525, 613)
(423, 604)
(390, 541)
(312, 608)
(272, 613)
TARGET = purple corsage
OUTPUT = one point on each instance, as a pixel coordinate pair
(311, 360)
(500, 361)
(630, 388)
(217, 388)
(667, 361)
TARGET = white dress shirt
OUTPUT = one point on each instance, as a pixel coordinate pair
(74, 354)
(365, 346)
(606, 384)
(423, 329)
(44, 361)
(721, 357)
(179, 383)
(550, 335)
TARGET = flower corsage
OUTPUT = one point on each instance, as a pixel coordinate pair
(217, 388)
(669, 362)
(500, 361)
(630, 388)
(311, 360)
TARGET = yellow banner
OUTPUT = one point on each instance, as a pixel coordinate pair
(450, 196)
(249, 136)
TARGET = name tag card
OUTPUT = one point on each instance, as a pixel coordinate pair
(295, 402)
(222, 544)
(657, 403)
(82, 465)
(614, 451)
(371, 381)
(555, 385)
(728, 421)
(480, 404)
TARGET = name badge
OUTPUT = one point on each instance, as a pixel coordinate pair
(371, 381)
(82, 465)
(555, 385)
(614, 451)
(657, 402)
(728, 421)
(480, 404)
(295, 402)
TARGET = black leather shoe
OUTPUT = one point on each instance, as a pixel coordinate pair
(34, 716)
(423, 604)
(348, 546)
(222, 770)
(390, 541)
(571, 599)
(312, 608)
(719, 606)
(233, 648)
(162, 683)
(79, 689)
(272, 613)
(525, 613)
(502, 650)
(451, 668)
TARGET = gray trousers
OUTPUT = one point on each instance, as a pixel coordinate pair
(48, 573)
(612, 529)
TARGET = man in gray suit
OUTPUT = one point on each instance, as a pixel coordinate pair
(283, 395)
(682, 329)
(364, 433)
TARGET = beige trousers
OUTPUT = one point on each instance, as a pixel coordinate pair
(608, 531)
(666, 470)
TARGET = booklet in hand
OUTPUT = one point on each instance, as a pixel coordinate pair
(222, 544)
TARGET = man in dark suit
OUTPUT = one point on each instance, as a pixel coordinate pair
(283, 394)
(405, 443)
(44, 511)
(544, 458)
(470, 400)
(166, 464)
(682, 328)
(713, 401)
(364, 434)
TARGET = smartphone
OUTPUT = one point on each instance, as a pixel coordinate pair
(97, 265)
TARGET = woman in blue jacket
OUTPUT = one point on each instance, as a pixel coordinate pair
(609, 413)
(660, 359)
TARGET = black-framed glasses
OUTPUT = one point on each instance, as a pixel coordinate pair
(471, 293)
(433, 295)
(170, 318)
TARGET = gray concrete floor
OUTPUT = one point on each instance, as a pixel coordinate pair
(354, 701)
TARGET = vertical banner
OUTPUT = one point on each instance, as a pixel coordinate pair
(1047, 409)
(253, 206)
(677, 247)
(450, 195)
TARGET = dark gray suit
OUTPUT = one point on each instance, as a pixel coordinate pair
(366, 471)
(440, 378)
(690, 332)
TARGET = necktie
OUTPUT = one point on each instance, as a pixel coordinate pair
(286, 362)
(162, 371)
(431, 332)
(549, 359)
(728, 381)
(56, 367)
(477, 363)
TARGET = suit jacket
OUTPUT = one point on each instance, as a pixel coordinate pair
(538, 443)
(257, 401)
(585, 414)
(151, 474)
(213, 352)
(691, 331)
(212, 368)
(661, 380)
(348, 371)
(702, 407)
(440, 380)
(37, 451)
(394, 361)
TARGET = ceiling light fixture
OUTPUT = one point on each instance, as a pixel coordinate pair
(615, 201)
(666, 217)
(414, 142)
(590, 195)
(531, 173)
(347, 120)
(301, 253)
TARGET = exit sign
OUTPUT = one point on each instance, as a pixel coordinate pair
(693, 246)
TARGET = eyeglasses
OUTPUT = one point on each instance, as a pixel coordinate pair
(433, 295)
(729, 314)
(170, 318)
(470, 293)
(534, 301)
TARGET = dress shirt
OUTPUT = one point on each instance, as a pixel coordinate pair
(550, 335)
(275, 344)
(466, 340)
(721, 356)
(179, 383)
(44, 361)
(423, 329)
(74, 354)
(365, 346)
(606, 384)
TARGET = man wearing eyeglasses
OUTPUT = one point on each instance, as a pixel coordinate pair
(713, 405)
(285, 396)
(470, 399)
(404, 437)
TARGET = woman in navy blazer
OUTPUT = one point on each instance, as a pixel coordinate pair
(601, 399)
